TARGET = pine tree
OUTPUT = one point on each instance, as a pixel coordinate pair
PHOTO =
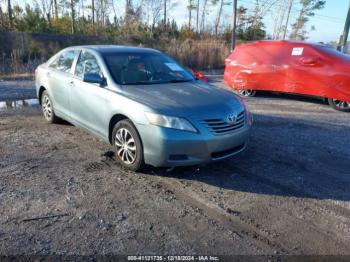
(308, 8)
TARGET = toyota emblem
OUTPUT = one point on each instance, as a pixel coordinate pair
(231, 119)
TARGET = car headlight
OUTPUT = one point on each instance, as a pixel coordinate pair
(170, 122)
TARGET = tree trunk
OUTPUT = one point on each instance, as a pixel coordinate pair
(197, 18)
(83, 8)
(298, 25)
(56, 8)
(203, 15)
(93, 11)
(102, 13)
(165, 18)
(287, 21)
(48, 15)
(1, 19)
(72, 5)
(9, 10)
(218, 18)
(128, 8)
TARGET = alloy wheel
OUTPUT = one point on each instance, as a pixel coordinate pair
(247, 92)
(126, 146)
(47, 107)
(341, 104)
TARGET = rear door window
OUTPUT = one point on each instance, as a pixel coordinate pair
(64, 62)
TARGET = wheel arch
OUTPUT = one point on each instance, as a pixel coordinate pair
(41, 91)
(114, 120)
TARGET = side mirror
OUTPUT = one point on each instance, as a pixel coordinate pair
(94, 78)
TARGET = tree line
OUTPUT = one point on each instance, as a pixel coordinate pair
(155, 18)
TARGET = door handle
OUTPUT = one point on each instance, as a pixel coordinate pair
(309, 61)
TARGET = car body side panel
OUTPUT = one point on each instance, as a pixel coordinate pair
(255, 67)
(59, 84)
(90, 106)
(292, 67)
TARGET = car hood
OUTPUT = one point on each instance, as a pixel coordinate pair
(187, 98)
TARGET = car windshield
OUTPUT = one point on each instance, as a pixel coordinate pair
(145, 68)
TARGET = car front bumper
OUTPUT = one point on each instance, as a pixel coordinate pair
(169, 147)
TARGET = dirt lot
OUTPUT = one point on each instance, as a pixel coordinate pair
(61, 191)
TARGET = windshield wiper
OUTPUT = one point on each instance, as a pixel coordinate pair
(157, 82)
(140, 83)
(179, 80)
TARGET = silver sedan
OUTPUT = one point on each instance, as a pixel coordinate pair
(150, 108)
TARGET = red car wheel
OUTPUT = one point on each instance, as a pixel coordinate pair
(339, 105)
(247, 92)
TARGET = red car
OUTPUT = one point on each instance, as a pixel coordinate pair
(291, 67)
(200, 76)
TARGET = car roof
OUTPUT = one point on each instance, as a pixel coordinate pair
(285, 43)
(104, 49)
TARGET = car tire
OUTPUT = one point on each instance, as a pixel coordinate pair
(47, 108)
(339, 105)
(128, 145)
(247, 92)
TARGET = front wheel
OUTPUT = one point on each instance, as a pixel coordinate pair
(339, 105)
(127, 142)
(47, 108)
(247, 92)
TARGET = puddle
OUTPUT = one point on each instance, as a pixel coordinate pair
(19, 104)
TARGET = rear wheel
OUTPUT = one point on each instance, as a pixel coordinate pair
(339, 105)
(47, 108)
(247, 92)
(127, 142)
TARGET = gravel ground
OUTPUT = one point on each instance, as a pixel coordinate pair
(61, 191)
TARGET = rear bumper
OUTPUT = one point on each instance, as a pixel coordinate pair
(170, 147)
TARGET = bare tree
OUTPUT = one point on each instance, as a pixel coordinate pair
(93, 11)
(102, 10)
(55, 8)
(45, 6)
(203, 16)
(154, 11)
(82, 7)
(1, 18)
(190, 8)
(262, 7)
(218, 16)
(128, 11)
(164, 11)
(219, 13)
(290, 5)
(72, 7)
(133, 16)
(9, 11)
(197, 18)
(279, 18)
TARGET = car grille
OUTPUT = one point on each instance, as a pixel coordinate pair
(221, 127)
